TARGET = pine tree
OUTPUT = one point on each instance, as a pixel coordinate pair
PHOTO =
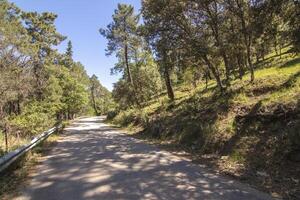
(68, 57)
(69, 51)
(121, 36)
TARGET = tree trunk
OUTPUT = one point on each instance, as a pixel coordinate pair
(6, 137)
(168, 84)
(127, 65)
(219, 43)
(240, 65)
(37, 71)
(94, 102)
(130, 80)
(250, 62)
(227, 70)
(257, 57)
(167, 78)
(214, 72)
(247, 40)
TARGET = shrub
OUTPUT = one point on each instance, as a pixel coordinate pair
(141, 118)
(36, 118)
(131, 116)
(111, 114)
(125, 117)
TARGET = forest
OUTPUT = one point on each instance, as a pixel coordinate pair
(39, 86)
(218, 79)
(192, 41)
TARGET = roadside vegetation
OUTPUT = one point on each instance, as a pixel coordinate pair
(218, 79)
(39, 86)
(16, 176)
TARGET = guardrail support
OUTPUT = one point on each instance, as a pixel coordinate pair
(11, 157)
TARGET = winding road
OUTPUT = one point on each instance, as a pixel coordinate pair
(95, 161)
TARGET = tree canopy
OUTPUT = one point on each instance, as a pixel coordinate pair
(217, 39)
(38, 85)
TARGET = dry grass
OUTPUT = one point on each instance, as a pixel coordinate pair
(14, 142)
(15, 177)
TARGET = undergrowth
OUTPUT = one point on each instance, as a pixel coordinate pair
(16, 175)
(253, 124)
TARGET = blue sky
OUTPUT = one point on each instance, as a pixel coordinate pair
(80, 21)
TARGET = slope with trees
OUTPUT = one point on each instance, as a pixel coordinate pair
(226, 77)
(140, 78)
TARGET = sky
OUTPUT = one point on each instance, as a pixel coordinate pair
(80, 21)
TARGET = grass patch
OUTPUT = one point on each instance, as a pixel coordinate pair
(14, 142)
(16, 175)
(13, 178)
(254, 125)
(237, 156)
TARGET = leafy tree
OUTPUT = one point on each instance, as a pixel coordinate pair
(157, 17)
(69, 51)
(135, 60)
(68, 57)
(43, 36)
(101, 98)
(38, 85)
(75, 98)
(121, 36)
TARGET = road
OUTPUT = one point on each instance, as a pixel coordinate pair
(96, 161)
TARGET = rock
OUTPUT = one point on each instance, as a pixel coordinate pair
(224, 157)
(264, 174)
(276, 195)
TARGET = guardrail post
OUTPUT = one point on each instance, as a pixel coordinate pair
(11, 157)
(6, 137)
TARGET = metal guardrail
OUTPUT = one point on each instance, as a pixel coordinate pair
(11, 157)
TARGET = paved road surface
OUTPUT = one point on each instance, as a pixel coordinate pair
(95, 161)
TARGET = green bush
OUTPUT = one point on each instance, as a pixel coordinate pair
(131, 116)
(142, 118)
(111, 114)
(125, 117)
(35, 118)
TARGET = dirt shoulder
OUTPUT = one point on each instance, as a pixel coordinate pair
(17, 176)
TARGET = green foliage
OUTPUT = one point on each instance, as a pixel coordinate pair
(131, 116)
(100, 97)
(38, 85)
(125, 117)
(74, 97)
(237, 156)
(140, 77)
(247, 117)
(111, 114)
(34, 119)
(69, 51)
(145, 71)
(41, 29)
(53, 94)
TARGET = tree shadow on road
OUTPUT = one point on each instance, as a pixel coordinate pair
(100, 163)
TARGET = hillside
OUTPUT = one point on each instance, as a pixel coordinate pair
(250, 132)
(216, 81)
